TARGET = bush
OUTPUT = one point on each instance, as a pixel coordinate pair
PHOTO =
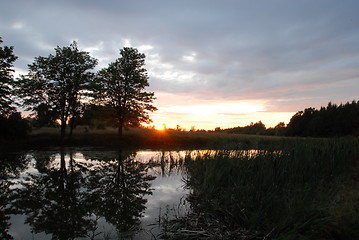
(14, 125)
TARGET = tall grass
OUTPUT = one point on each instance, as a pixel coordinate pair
(307, 190)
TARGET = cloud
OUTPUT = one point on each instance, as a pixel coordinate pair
(288, 55)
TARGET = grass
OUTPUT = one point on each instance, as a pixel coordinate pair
(307, 190)
(144, 138)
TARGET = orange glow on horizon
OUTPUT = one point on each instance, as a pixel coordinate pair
(184, 111)
(212, 120)
(160, 127)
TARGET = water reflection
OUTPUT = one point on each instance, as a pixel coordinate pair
(66, 196)
(87, 194)
(54, 199)
(117, 188)
(11, 165)
(93, 194)
(167, 162)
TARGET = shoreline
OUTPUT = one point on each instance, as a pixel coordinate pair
(142, 138)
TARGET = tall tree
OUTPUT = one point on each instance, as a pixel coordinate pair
(122, 86)
(7, 59)
(59, 82)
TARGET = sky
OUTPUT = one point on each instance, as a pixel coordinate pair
(223, 63)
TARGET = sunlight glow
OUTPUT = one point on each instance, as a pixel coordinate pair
(160, 127)
(186, 111)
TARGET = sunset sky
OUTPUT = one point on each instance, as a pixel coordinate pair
(221, 63)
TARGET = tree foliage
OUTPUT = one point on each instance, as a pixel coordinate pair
(7, 59)
(45, 116)
(278, 130)
(257, 128)
(333, 120)
(121, 85)
(58, 82)
(14, 125)
(99, 117)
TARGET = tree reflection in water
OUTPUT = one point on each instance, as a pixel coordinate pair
(53, 200)
(118, 188)
(11, 165)
(67, 199)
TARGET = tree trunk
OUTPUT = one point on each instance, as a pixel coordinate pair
(120, 128)
(63, 118)
(63, 130)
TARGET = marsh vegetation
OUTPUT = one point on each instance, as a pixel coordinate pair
(307, 189)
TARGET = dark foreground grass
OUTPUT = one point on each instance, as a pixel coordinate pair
(307, 190)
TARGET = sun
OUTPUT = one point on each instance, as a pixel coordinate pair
(161, 127)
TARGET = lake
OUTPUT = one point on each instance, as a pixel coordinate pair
(86, 193)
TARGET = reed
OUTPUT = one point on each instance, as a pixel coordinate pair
(306, 190)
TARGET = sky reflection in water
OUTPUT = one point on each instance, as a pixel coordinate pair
(167, 189)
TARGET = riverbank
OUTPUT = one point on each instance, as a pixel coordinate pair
(143, 139)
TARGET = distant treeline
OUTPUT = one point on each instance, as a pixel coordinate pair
(257, 128)
(331, 121)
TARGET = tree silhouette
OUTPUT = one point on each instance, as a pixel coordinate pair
(118, 187)
(330, 121)
(58, 82)
(11, 165)
(254, 128)
(67, 197)
(122, 85)
(45, 115)
(7, 59)
(53, 199)
(97, 116)
(13, 125)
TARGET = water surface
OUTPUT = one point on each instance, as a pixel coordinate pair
(91, 194)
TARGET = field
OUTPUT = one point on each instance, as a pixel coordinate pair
(145, 139)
